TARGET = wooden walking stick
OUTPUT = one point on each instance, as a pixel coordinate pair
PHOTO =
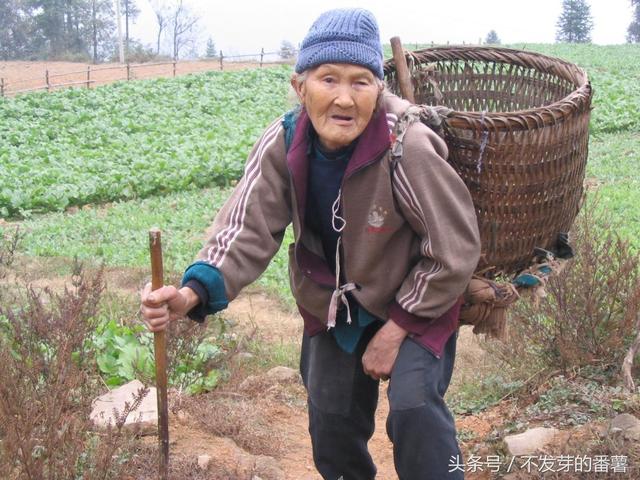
(160, 353)
(402, 70)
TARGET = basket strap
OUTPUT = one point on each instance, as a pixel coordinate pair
(432, 117)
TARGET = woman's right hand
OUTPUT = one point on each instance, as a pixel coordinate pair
(167, 303)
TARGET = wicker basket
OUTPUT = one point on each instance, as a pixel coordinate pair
(518, 137)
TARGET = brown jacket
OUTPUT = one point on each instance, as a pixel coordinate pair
(410, 244)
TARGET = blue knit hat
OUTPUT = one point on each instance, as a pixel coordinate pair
(342, 36)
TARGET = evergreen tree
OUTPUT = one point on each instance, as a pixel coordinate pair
(130, 11)
(211, 49)
(492, 38)
(70, 28)
(102, 29)
(16, 27)
(287, 50)
(633, 32)
(575, 23)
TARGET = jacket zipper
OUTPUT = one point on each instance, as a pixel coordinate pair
(377, 158)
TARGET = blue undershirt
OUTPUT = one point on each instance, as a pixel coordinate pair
(326, 172)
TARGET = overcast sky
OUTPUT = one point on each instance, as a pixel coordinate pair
(245, 26)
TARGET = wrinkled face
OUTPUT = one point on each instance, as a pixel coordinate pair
(340, 99)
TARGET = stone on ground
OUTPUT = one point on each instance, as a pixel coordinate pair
(204, 461)
(283, 375)
(530, 441)
(112, 403)
(627, 424)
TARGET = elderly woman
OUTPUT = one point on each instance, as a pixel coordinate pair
(386, 241)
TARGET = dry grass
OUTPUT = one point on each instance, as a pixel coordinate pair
(245, 420)
(144, 466)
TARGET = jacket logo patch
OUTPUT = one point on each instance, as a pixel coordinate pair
(376, 219)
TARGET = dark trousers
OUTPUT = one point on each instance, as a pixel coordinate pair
(342, 401)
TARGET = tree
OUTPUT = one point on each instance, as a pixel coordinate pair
(183, 25)
(102, 26)
(211, 49)
(633, 32)
(162, 16)
(177, 19)
(575, 22)
(287, 50)
(77, 29)
(492, 38)
(16, 25)
(131, 12)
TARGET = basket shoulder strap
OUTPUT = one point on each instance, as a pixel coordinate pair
(432, 117)
(289, 121)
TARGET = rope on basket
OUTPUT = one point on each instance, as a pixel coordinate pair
(486, 301)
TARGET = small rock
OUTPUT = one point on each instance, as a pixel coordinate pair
(627, 424)
(530, 441)
(183, 417)
(145, 416)
(283, 375)
(243, 357)
(249, 383)
(204, 461)
(267, 468)
(244, 464)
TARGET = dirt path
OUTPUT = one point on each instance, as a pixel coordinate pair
(273, 324)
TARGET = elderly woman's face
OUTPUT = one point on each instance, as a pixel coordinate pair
(339, 99)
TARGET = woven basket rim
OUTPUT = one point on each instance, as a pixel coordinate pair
(516, 119)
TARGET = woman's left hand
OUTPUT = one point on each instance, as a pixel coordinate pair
(381, 353)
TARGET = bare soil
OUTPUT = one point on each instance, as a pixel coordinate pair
(271, 421)
(274, 324)
(19, 76)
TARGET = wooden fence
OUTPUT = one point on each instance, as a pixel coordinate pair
(99, 75)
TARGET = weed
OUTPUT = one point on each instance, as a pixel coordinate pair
(198, 354)
(272, 354)
(8, 247)
(576, 401)
(588, 317)
(47, 384)
(481, 392)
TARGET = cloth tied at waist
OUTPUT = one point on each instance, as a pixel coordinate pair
(339, 296)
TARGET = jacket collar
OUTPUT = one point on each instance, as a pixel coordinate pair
(373, 142)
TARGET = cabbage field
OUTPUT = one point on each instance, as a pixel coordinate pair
(132, 139)
(163, 152)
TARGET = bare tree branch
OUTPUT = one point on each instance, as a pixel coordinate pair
(183, 23)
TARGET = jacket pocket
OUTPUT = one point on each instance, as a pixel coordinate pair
(311, 296)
